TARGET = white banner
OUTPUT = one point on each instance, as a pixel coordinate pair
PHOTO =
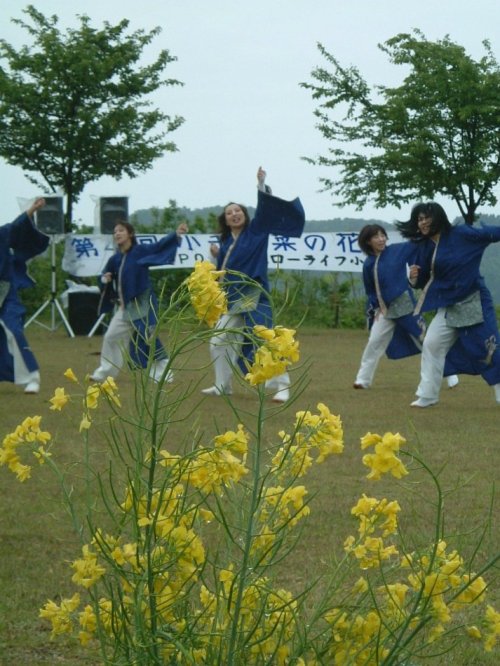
(86, 255)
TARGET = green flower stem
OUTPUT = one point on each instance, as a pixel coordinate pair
(256, 484)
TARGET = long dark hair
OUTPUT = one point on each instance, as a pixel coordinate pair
(129, 227)
(224, 230)
(435, 211)
(366, 234)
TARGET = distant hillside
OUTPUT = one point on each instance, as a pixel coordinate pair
(146, 216)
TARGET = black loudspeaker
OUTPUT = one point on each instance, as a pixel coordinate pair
(82, 311)
(50, 218)
(111, 211)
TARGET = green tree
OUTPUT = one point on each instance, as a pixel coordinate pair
(74, 106)
(436, 133)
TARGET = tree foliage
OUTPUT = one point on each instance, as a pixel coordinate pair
(74, 105)
(435, 134)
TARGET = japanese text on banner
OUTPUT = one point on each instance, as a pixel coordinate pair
(86, 255)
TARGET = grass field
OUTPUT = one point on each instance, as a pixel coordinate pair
(459, 438)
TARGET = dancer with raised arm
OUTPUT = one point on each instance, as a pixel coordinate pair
(243, 252)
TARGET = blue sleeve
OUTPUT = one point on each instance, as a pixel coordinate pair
(369, 285)
(160, 253)
(26, 242)
(277, 216)
(423, 259)
(110, 266)
(484, 233)
(25, 239)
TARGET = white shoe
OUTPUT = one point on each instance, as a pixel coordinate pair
(281, 396)
(452, 381)
(215, 391)
(157, 376)
(97, 377)
(424, 402)
(496, 388)
(32, 387)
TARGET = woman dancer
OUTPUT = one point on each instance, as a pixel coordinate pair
(19, 241)
(394, 329)
(133, 323)
(464, 326)
(243, 249)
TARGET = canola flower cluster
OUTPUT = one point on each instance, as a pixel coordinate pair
(378, 519)
(384, 459)
(28, 433)
(212, 469)
(208, 299)
(437, 585)
(273, 357)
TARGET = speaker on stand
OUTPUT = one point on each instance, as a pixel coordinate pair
(50, 220)
(111, 211)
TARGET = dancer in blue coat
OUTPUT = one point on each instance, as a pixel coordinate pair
(126, 282)
(464, 328)
(19, 241)
(394, 329)
(243, 249)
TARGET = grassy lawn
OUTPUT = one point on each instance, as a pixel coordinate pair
(459, 439)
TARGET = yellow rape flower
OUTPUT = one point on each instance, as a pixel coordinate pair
(492, 630)
(59, 399)
(474, 592)
(206, 515)
(69, 374)
(85, 423)
(110, 388)
(384, 459)
(87, 570)
(23, 472)
(474, 632)
(226, 577)
(41, 455)
(279, 350)
(360, 586)
(208, 299)
(87, 619)
(92, 396)
(237, 442)
(60, 616)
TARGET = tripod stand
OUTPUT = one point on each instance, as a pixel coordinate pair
(54, 304)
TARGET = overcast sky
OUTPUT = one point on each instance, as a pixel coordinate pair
(241, 62)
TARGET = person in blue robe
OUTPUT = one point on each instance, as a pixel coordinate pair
(20, 241)
(464, 328)
(243, 254)
(394, 329)
(127, 286)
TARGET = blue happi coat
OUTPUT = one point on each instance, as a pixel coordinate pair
(393, 282)
(19, 241)
(131, 287)
(249, 258)
(456, 276)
